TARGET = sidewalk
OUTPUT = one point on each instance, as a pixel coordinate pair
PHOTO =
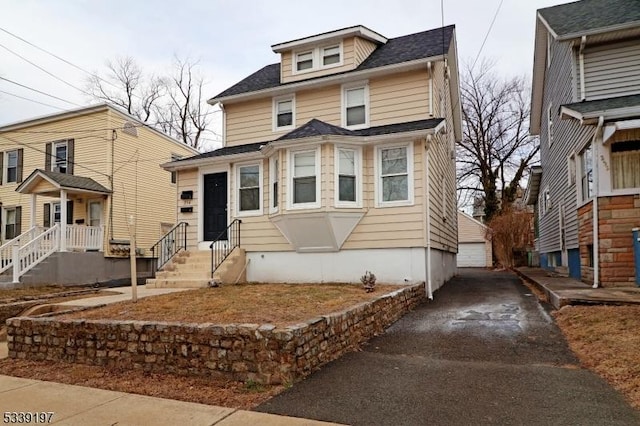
(77, 405)
(563, 291)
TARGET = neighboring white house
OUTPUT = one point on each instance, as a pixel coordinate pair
(474, 243)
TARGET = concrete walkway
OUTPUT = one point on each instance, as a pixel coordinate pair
(77, 405)
(124, 295)
(563, 291)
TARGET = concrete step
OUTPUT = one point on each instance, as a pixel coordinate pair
(177, 283)
(190, 274)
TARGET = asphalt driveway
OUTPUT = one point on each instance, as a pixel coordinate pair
(483, 352)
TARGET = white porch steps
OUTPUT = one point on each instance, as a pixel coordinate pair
(192, 269)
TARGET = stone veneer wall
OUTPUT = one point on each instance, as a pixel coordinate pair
(617, 216)
(261, 353)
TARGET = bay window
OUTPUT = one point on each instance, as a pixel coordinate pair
(305, 183)
(586, 172)
(348, 177)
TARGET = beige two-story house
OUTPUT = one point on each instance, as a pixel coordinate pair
(70, 185)
(337, 160)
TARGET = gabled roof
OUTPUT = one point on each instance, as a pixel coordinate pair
(316, 127)
(357, 30)
(227, 150)
(590, 16)
(61, 181)
(397, 50)
(611, 108)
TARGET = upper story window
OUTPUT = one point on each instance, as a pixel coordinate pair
(586, 172)
(395, 175)
(318, 58)
(13, 161)
(355, 106)
(249, 193)
(549, 49)
(544, 202)
(348, 177)
(59, 156)
(304, 61)
(174, 174)
(331, 55)
(550, 124)
(283, 113)
(305, 182)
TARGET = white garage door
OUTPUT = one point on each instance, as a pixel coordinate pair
(472, 255)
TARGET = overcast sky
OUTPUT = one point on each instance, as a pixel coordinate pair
(231, 39)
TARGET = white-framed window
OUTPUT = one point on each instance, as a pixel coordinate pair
(174, 174)
(394, 175)
(284, 113)
(549, 49)
(331, 56)
(304, 61)
(56, 212)
(12, 221)
(348, 177)
(95, 213)
(60, 156)
(304, 172)
(355, 106)
(11, 160)
(249, 192)
(586, 172)
(571, 169)
(274, 184)
(545, 201)
(625, 164)
(318, 58)
(550, 124)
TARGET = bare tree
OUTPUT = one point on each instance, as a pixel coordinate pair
(496, 149)
(172, 103)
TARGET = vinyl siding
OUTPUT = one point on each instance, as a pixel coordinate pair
(89, 158)
(470, 231)
(568, 137)
(348, 63)
(612, 70)
(141, 187)
(187, 180)
(362, 49)
(396, 98)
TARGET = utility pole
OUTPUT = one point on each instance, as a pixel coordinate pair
(132, 254)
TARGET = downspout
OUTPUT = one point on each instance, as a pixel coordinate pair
(596, 184)
(428, 195)
(583, 42)
(430, 89)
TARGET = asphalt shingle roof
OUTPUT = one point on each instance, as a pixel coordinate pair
(316, 127)
(421, 45)
(587, 15)
(587, 107)
(72, 181)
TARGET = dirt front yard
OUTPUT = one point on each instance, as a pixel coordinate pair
(606, 339)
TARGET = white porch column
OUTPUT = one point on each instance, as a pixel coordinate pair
(32, 215)
(63, 220)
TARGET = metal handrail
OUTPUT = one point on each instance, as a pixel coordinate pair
(223, 244)
(170, 244)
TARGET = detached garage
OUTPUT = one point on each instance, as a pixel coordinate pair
(474, 245)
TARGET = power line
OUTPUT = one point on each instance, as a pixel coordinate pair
(31, 100)
(38, 91)
(44, 70)
(493, 21)
(58, 57)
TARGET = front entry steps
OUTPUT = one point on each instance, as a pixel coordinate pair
(192, 269)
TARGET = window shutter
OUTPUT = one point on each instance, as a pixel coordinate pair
(47, 157)
(70, 212)
(19, 167)
(70, 156)
(46, 220)
(18, 220)
(1, 166)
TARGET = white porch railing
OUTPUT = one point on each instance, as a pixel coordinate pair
(81, 237)
(37, 244)
(6, 250)
(35, 251)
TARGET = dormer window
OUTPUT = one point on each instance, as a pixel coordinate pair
(304, 61)
(331, 55)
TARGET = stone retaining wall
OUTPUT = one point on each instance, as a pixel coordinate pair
(260, 353)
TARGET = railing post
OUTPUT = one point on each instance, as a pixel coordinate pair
(15, 254)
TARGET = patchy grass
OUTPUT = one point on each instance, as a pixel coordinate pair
(278, 304)
(606, 339)
(26, 293)
(192, 389)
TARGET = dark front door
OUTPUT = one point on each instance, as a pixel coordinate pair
(215, 206)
